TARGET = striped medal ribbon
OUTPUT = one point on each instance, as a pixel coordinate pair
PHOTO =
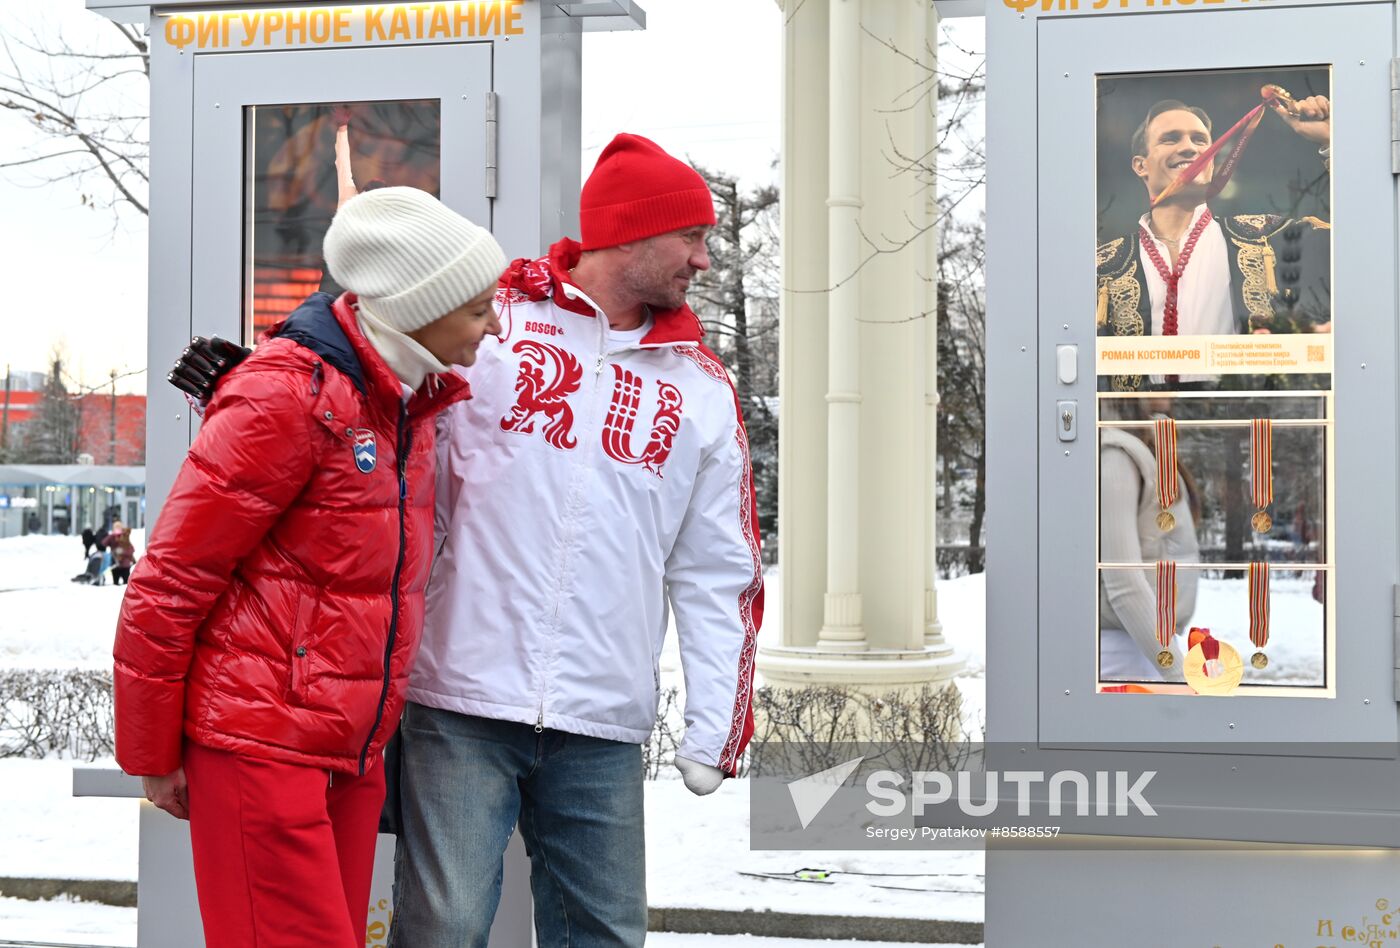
(1167, 488)
(1261, 472)
(1166, 611)
(1259, 612)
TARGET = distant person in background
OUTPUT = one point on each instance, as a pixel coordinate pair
(33, 523)
(118, 543)
(89, 541)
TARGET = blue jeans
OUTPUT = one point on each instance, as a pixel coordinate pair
(466, 782)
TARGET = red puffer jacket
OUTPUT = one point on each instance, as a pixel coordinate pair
(279, 605)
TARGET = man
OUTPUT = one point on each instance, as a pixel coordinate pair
(1184, 271)
(601, 471)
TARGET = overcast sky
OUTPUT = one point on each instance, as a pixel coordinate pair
(703, 80)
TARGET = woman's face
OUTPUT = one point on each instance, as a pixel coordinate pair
(453, 339)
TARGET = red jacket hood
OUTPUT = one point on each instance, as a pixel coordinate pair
(543, 278)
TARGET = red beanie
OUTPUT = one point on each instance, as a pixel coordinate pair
(637, 191)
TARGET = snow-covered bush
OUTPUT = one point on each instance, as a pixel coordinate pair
(56, 712)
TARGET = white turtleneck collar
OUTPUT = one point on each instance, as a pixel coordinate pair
(408, 360)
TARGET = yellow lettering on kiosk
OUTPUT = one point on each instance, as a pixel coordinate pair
(440, 28)
(320, 26)
(296, 26)
(398, 24)
(464, 13)
(374, 23)
(418, 10)
(271, 23)
(180, 31)
(250, 28)
(490, 14)
(513, 13)
(342, 24)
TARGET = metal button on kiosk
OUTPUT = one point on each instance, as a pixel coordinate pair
(263, 120)
(1193, 557)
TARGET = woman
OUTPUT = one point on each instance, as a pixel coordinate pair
(1128, 533)
(265, 641)
(118, 543)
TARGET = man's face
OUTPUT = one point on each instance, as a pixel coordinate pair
(1174, 140)
(454, 338)
(659, 269)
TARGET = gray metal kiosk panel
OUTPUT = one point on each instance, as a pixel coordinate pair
(1041, 692)
(1071, 53)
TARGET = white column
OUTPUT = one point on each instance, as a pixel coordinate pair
(841, 626)
(933, 629)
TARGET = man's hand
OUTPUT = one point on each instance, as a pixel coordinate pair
(1312, 121)
(700, 779)
(169, 793)
(340, 115)
(203, 363)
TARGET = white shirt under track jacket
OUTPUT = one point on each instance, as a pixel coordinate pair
(585, 483)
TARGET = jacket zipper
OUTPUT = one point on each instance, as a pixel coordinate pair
(403, 440)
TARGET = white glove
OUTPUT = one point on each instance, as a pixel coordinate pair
(700, 779)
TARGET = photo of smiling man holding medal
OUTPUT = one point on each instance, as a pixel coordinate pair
(1232, 237)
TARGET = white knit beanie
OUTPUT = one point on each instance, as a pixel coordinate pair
(408, 257)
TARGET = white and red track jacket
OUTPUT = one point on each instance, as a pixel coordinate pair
(582, 487)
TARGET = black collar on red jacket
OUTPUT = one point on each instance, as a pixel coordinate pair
(329, 327)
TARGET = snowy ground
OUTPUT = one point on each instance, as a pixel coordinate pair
(47, 621)
(696, 847)
(86, 923)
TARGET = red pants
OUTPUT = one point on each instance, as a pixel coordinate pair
(283, 854)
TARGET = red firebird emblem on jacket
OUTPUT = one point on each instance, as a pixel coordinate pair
(622, 415)
(548, 376)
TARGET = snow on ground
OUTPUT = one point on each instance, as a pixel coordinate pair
(47, 621)
(68, 922)
(50, 834)
(673, 940)
(696, 847)
(87, 923)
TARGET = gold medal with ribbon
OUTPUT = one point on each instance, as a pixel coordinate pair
(1167, 488)
(1259, 612)
(1212, 667)
(1166, 611)
(1261, 472)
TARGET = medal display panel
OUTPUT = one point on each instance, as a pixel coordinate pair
(303, 162)
(1214, 367)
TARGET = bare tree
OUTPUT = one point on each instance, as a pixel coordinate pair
(86, 103)
(737, 301)
(962, 325)
(51, 437)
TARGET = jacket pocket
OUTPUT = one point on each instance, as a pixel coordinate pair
(301, 652)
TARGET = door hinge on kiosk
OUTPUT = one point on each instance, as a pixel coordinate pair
(490, 144)
(1395, 116)
(1396, 652)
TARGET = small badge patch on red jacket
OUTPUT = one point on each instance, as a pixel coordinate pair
(365, 453)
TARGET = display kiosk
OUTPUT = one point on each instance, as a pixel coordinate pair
(1192, 463)
(263, 119)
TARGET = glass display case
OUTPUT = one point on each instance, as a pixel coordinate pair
(1214, 355)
